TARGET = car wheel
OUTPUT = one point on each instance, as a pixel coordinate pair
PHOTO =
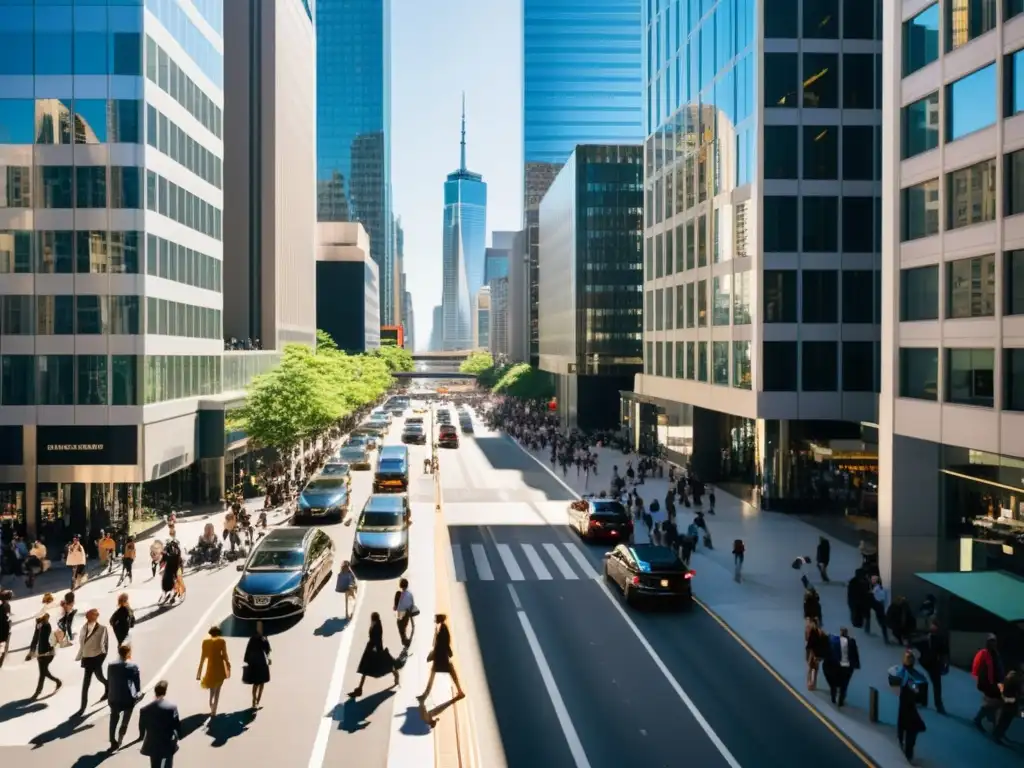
(627, 593)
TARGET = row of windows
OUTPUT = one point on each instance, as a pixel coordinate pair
(969, 376)
(198, 47)
(174, 261)
(177, 203)
(163, 70)
(66, 186)
(862, 20)
(812, 152)
(172, 377)
(970, 198)
(818, 230)
(826, 296)
(70, 380)
(964, 21)
(970, 288)
(66, 252)
(167, 137)
(70, 121)
(690, 360)
(173, 318)
(64, 315)
(61, 42)
(686, 306)
(820, 86)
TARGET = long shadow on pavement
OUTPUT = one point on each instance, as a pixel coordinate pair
(67, 729)
(503, 454)
(232, 627)
(227, 726)
(331, 627)
(353, 715)
(15, 709)
(414, 724)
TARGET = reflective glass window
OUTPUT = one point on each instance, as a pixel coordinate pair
(968, 20)
(858, 366)
(124, 253)
(779, 366)
(861, 229)
(970, 377)
(15, 186)
(55, 252)
(1013, 376)
(821, 152)
(819, 366)
(861, 153)
(781, 223)
(859, 78)
(90, 314)
(858, 295)
(126, 53)
(780, 296)
(702, 361)
(91, 376)
(89, 125)
(741, 372)
(821, 19)
(919, 373)
(781, 154)
(18, 315)
(90, 53)
(920, 39)
(920, 126)
(1013, 279)
(124, 315)
(54, 121)
(125, 380)
(126, 121)
(971, 287)
(53, 52)
(91, 186)
(1014, 8)
(53, 186)
(702, 303)
(56, 379)
(742, 296)
(1013, 73)
(919, 293)
(919, 206)
(55, 315)
(820, 296)
(721, 288)
(16, 41)
(17, 121)
(820, 224)
(15, 251)
(125, 186)
(862, 19)
(18, 385)
(821, 80)
(971, 195)
(781, 79)
(971, 103)
(720, 363)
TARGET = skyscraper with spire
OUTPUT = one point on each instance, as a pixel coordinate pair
(465, 238)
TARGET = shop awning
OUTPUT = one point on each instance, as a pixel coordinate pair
(998, 592)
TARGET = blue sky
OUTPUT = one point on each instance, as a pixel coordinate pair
(439, 49)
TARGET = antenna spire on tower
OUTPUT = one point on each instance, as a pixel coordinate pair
(462, 162)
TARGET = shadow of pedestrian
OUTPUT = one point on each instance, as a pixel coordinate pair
(430, 716)
(414, 724)
(13, 709)
(65, 730)
(353, 715)
(93, 760)
(232, 627)
(331, 627)
(225, 727)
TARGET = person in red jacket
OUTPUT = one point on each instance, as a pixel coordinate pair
(987, 669)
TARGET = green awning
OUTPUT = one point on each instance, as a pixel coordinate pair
(998, 592)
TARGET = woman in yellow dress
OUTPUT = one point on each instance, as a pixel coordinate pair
(218, 666)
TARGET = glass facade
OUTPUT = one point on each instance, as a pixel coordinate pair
(463, 255)
(353, 113)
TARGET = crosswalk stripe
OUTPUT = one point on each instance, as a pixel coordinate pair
(581, 560)
(560, 562)
(509, 560)
(483, 567)
(458, 563)
(536, 563)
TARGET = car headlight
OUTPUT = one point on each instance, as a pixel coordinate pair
(241, 593)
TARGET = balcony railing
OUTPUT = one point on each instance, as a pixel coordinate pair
(240, 368)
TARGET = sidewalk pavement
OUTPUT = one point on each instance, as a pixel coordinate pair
(766, 612)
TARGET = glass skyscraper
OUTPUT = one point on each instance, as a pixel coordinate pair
(465, 239)
(354, 126)
(582, 84)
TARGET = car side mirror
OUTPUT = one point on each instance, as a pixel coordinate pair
(239, 567)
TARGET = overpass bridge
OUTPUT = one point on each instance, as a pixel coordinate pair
(442, 357)
(432, 375)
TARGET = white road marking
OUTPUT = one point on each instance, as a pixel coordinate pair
(581, 560)
(579, 756)
(323, 731)
(508, 559)
(457, 563)
(560, 562)
(536, 563)
(483, 567)
(687, 701)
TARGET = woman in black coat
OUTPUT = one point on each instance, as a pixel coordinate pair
(42, 649)
(377, 660)
(909, 722)
(122, 620)
(172, 565)
(440, 658)
(257, 664)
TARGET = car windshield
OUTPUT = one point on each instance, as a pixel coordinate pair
(609, 509)
(650, 557)
(413, 428)
(447, 429)
(391, 465)
(336, 468)
(352, 453)
(267, 559)
(380, 520)
(324, 484)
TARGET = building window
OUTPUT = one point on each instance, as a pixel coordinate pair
(649, 311)
(741, 298)
(55, 253)
(920, 126)
(821, 80)
(659, 257)
(820, 230)
(702, 241)
(862, 21)
(91, 315)
(721, 287)
(858, 296)
(91, 375)
(821, 152)
(858, 366)
(970, 377)
(91, 253)
(781, 79)
(16, 315)
(18, 384)
(861, 231)
(1013, 279)
(820, 296)
(919, 294)
(778, 365)
(691, 308)
(124, 253)
(680, 367)
(966, 21)
(91, 186)
(55, 315)
(659, 360)
(862, 153)
(53, 186)
(920, 210)
(691, 366)
(971, 103)
(821, 19)
(126, 190)
(819, 367)
(124, 315)
(680, 245)
(125, 121)
(702, 303)
(720, 358)
(780, 296)
(1014, 8)
(56, 379)
(971, 195)
(741, 376)
(859, 76)
(780, 19)
(702, 361)
(1013, 74)
(680, 307)
(780, 224)
(670, 307)
(1013, 374)
(920, 39)
(15, 252)
(17, 119)
(649, 358)
(1014, 182)
(659, 310)
(971, 287)
(781, 155)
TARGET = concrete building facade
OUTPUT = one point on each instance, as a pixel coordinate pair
(347, 286)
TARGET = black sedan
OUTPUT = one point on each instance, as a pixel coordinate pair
(649, 572)
(600, 520)
(414, 434)
(282, 574)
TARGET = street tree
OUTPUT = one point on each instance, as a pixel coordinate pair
(477, 363)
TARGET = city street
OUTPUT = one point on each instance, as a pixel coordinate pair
(307, 716)
(561, 672)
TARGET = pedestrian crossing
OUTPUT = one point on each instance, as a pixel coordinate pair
(505, 562)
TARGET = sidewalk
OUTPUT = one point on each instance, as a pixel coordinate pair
(766, 611)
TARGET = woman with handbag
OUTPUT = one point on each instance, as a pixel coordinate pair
(440, 658)
(377, 660)
(256, 671)
(43, 650)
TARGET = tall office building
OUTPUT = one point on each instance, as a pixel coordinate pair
(399, 267)
(582, 84)
(951, 411)
(409, 322)
(518, 315)
(465, 232)
(270, 172)
(437, 328)
(762, 248)
(347, 287)
(353, 87)
(482, 319)
(110, 248)
(498, 340)
(495, 264)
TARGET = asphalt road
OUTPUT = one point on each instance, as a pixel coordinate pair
(306, 717)
(562, 673)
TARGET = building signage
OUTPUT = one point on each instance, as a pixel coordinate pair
(114, 446)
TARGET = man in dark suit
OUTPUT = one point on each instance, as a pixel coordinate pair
(160, 729)
(124, 688)
(843, 661)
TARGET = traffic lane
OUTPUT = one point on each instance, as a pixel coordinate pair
(528, 733)
(620, 702)
(761, 722)
(499, 452)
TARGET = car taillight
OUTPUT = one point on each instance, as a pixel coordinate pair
(635, 580)
(689, 575)
(595, 524)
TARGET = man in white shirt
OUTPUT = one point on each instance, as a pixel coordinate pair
(844, 661)
(405, 611)
(879, 598)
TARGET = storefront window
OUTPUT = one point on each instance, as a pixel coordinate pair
(12, 510)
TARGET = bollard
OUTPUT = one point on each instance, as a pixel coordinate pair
(873, 705)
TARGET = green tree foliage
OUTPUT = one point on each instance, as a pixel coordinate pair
(519, 380)
(477, 363)
(397, 358)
